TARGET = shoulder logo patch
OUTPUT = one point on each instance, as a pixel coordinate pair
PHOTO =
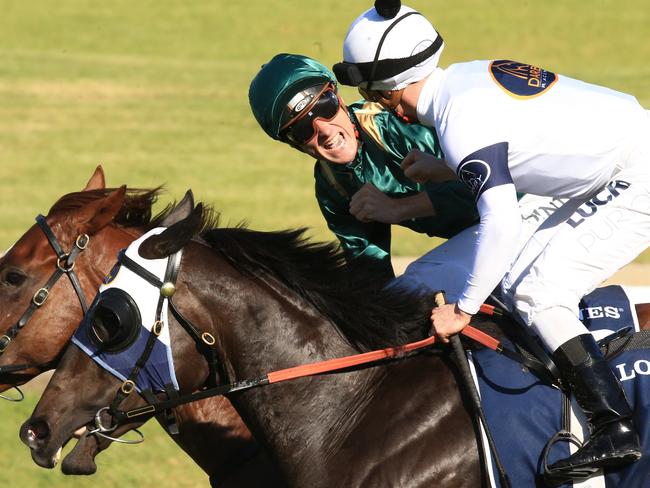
(474, 174)
(521, 80)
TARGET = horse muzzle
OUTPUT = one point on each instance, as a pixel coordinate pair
(36, 434)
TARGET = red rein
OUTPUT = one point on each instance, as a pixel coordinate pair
(390, 352)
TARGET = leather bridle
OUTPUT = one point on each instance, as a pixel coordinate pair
(65, 263)
(204, 341)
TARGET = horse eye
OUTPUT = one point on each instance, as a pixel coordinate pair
(14, 278)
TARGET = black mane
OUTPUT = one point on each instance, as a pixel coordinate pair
(351, 295)
(136, 210)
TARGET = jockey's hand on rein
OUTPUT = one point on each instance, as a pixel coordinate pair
(447, 320)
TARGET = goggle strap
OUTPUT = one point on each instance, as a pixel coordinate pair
(373, 69)
(353, 74)
(142, 272)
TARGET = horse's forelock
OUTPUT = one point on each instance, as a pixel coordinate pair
(136, 211)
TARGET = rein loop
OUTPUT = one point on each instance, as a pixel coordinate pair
(102, 431)
(141, 414)
(330, 365)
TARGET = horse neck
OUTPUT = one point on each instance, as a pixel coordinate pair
(262, 326)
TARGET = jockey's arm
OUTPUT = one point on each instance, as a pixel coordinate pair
(494, 251)
(496, 245)
(487, 174)
(371, 204)
(422, 167)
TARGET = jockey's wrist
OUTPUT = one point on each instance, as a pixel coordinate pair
(466, 308)
(461, 312)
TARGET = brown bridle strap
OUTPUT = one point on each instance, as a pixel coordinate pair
(65, 263)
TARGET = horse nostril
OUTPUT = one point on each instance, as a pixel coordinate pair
(38, 430)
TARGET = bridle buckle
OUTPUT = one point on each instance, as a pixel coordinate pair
(157, 327)
(63, 265)
(82, 241)
(4, 342)
(208, 339)
(127, 387)
(40, 296)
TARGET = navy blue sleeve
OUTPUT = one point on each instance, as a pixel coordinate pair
(485, 169)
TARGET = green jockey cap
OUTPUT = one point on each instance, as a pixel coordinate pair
(277, 82)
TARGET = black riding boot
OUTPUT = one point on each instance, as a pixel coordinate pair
(613, 439)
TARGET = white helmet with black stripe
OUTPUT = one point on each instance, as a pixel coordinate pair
(389, 47)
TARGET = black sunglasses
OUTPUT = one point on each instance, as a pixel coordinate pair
(300, 130)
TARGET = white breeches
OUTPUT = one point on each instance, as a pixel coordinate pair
(605, 233)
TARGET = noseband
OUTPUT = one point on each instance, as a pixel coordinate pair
(65, 263)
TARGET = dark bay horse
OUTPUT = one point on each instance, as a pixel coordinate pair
(211, 432)
(272, 301)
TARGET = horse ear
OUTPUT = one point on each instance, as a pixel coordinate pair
(181, 211)
(100, 213)
(174, 238)
(97, 181)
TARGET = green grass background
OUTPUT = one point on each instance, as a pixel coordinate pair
(158, 462)
(156, 91)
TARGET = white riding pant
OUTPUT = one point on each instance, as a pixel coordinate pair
(606, 232)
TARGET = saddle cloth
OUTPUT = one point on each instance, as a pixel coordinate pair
(523, 413)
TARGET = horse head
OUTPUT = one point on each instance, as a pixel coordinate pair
(40, 306)
(79, 408)
(210, 431)
(79, 238)
(37, 335)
